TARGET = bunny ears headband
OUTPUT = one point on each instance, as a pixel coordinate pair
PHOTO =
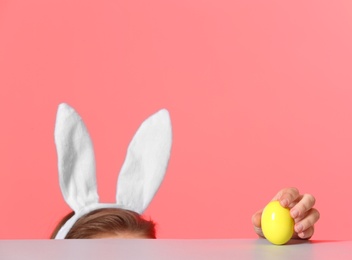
(140, 176)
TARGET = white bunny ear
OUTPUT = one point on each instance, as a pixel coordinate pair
(75, 159)
(146, 162)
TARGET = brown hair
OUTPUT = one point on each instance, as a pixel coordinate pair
(108, 221)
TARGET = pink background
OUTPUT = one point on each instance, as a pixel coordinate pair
(259, 93)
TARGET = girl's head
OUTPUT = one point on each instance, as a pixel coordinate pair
(109, 223)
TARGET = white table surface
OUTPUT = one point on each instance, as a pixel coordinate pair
(172, 249)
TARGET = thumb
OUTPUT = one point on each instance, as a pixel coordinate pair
(256, 218)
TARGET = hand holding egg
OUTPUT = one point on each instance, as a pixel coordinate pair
(300, 208)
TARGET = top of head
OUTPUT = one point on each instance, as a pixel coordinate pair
(141, 174)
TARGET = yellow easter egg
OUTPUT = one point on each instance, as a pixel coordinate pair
(277, 224)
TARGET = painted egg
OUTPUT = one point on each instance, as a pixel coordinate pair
(277, 223)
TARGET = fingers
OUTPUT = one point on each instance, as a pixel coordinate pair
(303, 213)
(287, 196)
(303, 227)
(302, 206)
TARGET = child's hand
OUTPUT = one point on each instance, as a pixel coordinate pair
(301, 210)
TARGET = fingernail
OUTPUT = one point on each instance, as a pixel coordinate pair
(284, 202)
(298, 228)
(294, 213)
